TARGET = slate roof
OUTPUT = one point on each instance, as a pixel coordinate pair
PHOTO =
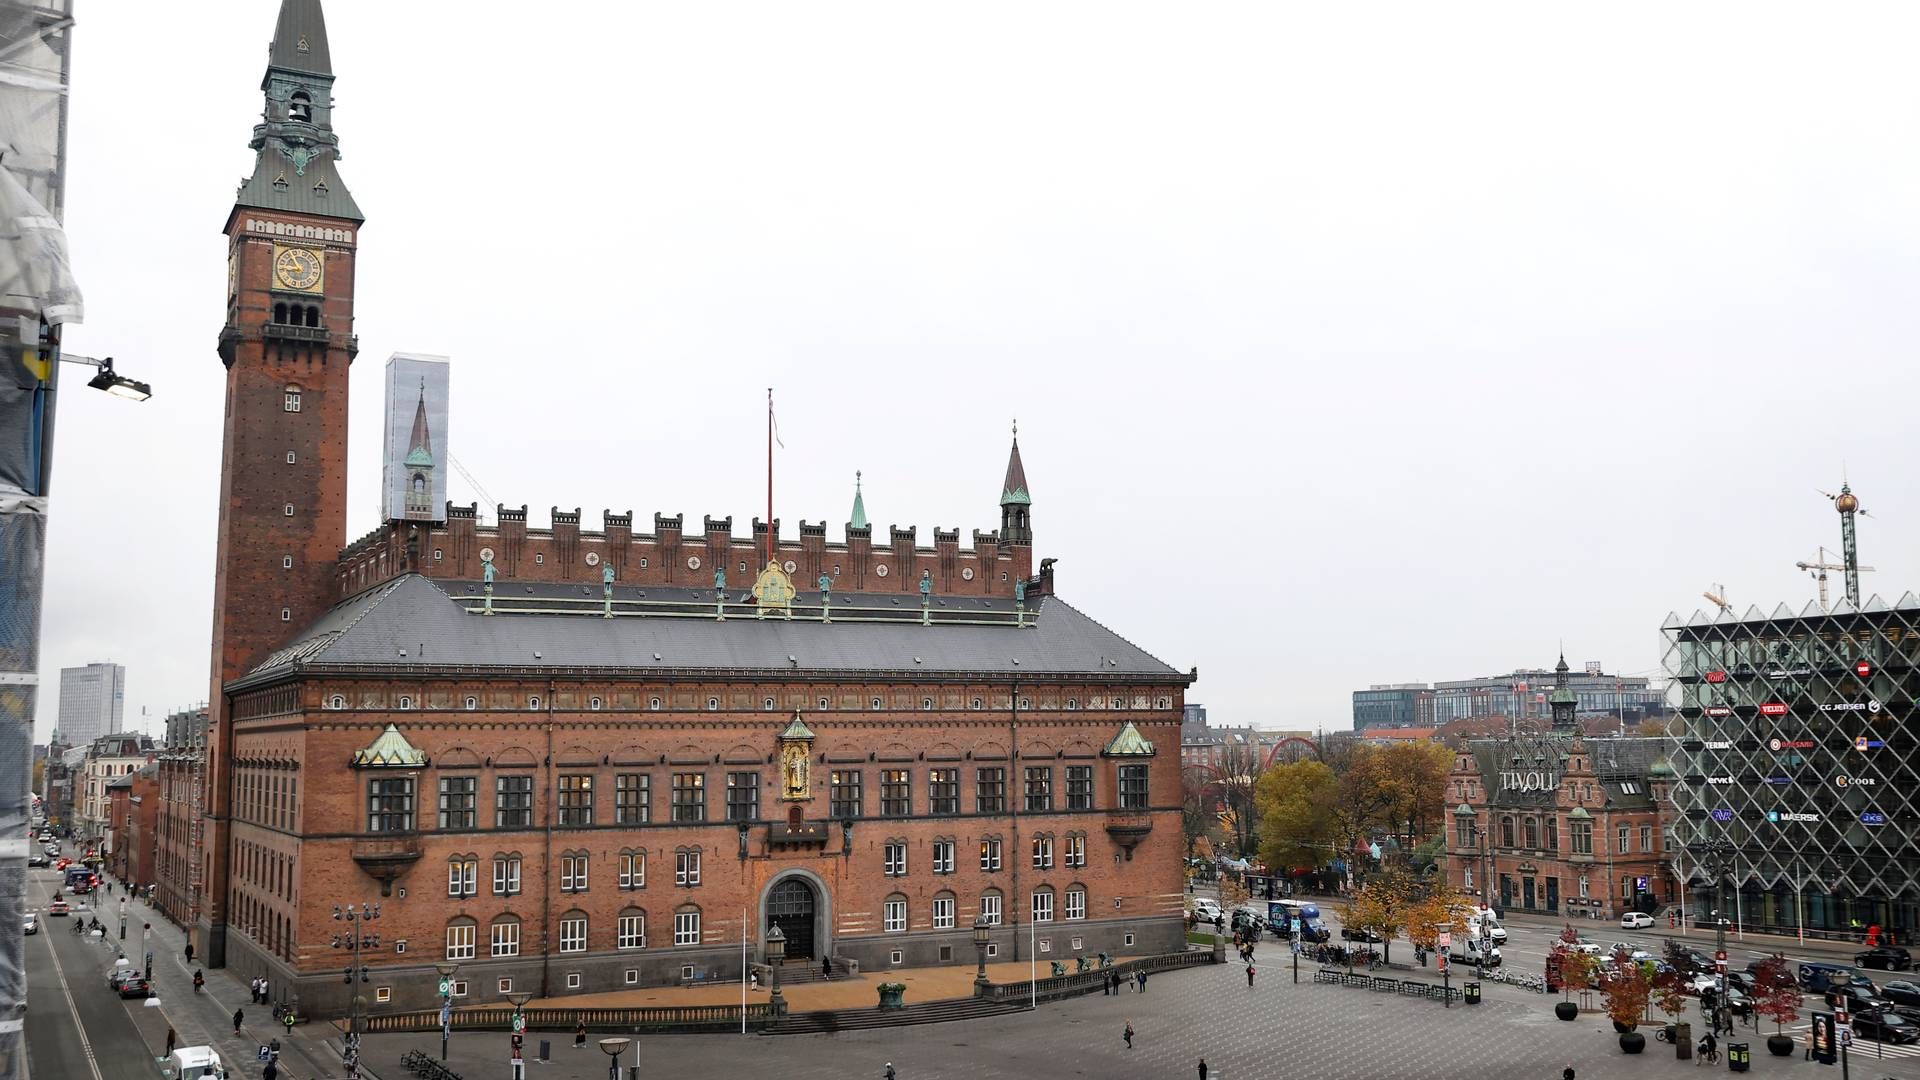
(414, 623)
(1615, 762)
(301, 21)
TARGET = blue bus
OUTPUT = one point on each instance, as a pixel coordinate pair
(1281, 915)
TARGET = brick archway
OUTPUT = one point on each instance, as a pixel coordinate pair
(779, 901)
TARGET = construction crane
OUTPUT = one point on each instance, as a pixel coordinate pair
(1819, 567)
(1718, 594)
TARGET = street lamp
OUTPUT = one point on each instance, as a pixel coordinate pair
(613, 1048)
(776, 955)
(519, 1024)
(982, 929)
(355, 940)
(1716, 855)
(112, 382)
(446, 971)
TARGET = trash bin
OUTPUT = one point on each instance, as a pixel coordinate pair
(1739, 1057)
(1470, 993)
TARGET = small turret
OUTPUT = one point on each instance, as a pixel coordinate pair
(859, 518)
(1563, 701)
(1016, 502)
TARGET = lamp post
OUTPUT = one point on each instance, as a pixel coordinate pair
(446, 971)
(354, 941)
(519, 1025)
(776, 955)
(982, 930)
(1716, 855)
(613, 1048)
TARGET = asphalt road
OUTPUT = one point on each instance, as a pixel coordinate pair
(76, 1028)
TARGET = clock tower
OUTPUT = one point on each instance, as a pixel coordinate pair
(286, 343)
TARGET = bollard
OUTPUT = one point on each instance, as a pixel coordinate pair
(1683, 1041)
(546, 1049)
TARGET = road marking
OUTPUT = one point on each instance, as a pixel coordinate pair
(79, 1028)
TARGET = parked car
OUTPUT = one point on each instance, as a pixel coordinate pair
(1206, 909)
(58, 907)
(1856, 999)
(1696, 962)
(38, 859)
(32, 923)
(1244, 917)
(1742, 979)
(1637, 953)
(1885, 1026)
(1885, 958)
(1636, 920)
(1814, 978)
(1902, 992)
(1348, 933)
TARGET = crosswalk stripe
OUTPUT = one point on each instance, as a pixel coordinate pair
(1861, 1047)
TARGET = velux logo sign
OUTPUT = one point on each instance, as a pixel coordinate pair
(1773, 708)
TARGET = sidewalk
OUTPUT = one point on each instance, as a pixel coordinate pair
(1702, 937)
(206, 1019)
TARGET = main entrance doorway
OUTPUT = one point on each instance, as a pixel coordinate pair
(790, 907)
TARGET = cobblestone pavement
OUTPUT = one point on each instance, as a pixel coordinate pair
(1276, 1029)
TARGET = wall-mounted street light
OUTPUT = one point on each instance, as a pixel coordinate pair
(110, 380)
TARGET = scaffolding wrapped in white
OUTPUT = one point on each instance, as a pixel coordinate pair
(37, 296)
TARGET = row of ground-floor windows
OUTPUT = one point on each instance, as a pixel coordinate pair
(504, 933)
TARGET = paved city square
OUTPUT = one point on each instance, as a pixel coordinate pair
(1274, 1029)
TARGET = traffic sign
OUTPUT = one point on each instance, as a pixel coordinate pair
(444, 987)
(519, 1023)
(1446, 940)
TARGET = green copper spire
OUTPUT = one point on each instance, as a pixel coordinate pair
(859, 518)
(295, 140)
(1013, 492)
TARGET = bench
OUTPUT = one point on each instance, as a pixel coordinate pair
(1385, 985)
(700, 975)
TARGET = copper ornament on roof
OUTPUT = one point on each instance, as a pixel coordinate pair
(1129, 743)
(390, 751)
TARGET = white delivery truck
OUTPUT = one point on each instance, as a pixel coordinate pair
(195, 1063)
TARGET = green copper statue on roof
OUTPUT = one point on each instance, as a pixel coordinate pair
(606, 590)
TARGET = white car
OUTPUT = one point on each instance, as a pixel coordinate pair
(1207, 910)
(1636, 920)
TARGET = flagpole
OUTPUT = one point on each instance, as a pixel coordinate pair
(769, 475)
(743, 969)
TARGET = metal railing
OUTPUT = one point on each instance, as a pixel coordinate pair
(652, 1018)
(1087, 982)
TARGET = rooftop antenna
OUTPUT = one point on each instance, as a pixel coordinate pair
(1718, 594)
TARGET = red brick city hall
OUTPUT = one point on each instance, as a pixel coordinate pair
(576, 761)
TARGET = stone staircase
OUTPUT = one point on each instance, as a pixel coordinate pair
(809, 1023)
(797, 973)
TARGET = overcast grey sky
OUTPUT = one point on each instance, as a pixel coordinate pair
(1349, 345)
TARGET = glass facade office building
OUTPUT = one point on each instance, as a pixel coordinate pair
(1798, 749)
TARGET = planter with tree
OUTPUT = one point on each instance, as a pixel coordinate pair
(1776, 996)
(1669, 990)
(1567, 969)
(1626, 988)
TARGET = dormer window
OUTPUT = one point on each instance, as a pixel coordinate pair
(300, 109)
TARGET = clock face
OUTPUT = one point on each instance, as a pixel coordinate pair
(297, 268)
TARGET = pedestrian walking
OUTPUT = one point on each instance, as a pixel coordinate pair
(1566, 1073)
(1143, 981)
(270, 1072)
(238, 1015)
(1203, 1069)
(1128, 1033)
(580, 1035)
(826, 967)
(189, 952)
(171, 1039)
(889, 1072)
(1106, 986)
(1249, 976)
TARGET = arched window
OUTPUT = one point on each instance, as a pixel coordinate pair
(280, 313)
(686, 925)
(313, 315)
(1506, 832)
(505, 936)
(633, 930)
(460, 936)
(943, 904)
(573, 932)
(593, 703)
(990, 907)
(1043, 904)
(893, 914)
(419, 484)
(1532, 827)
(300, 108)
(1076, 901)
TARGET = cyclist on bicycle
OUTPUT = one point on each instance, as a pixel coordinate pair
(1707, 1052)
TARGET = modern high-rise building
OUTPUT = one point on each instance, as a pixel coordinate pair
(1524, 694)
(1798, 762)
(92, 699)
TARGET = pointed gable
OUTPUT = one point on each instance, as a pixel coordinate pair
(390, 751)
(1129, 743)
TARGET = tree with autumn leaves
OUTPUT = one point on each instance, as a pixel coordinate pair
(1312, 811)
(1626, 988)
(1776, 994)
(1397, 902)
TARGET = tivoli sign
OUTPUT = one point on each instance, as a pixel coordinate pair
(1528, 780)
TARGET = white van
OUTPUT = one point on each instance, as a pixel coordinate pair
(1485, 918)
(195, 1063)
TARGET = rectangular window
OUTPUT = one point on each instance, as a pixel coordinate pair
(1553, 832)
(1039, 788)
(460, 942)
(633, 869)
(686, 928)
(990, 854)
(573, 935)
(943, 913)
(573, 873)
(292, 401)
(1620, 840)
(1079, 787)
(845, 792)
(506, 939)
(632, 799)
(513, 802)
(1076, 850)
(743, 796)
(1076, 903)
(1582, 832)
(943, 791)
(633, 931)
(894, 914)
(1043, 853)
(943, 856)
(686, 868)
(1133, 787)
(463, 877)
(990, 909)
(506, 876)
(1646, 839)
(896, 793)
(576, 799)
(459, 801)
(896, 857)
(1043, 905)
(990, 790)
(689, 796)
(390, 805)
